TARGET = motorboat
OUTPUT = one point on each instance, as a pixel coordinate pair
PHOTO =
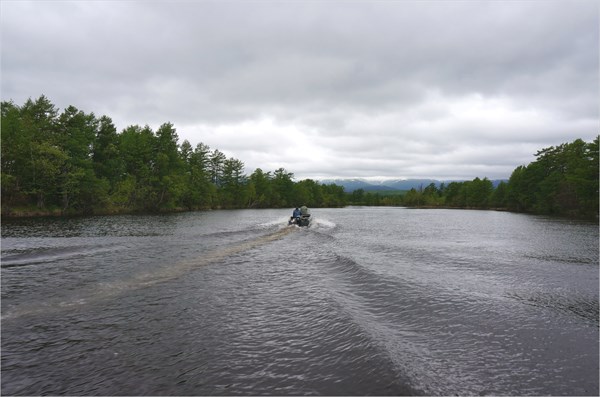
(302, 220)
(301, 217)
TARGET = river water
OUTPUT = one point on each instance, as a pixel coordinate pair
(379, 301)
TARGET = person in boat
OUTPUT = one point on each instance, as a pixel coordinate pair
(296, 214)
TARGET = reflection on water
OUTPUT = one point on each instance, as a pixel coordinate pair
(383, 301)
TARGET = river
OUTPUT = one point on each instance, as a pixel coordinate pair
(378, 301)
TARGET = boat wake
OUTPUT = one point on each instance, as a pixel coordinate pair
(112, 289)
(324, 223)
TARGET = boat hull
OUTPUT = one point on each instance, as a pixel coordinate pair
(302, 221)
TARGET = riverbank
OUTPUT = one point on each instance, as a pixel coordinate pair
(34, 212)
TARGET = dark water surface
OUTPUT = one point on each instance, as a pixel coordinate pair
(373, 301)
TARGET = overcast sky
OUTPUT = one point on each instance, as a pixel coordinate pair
(387, 89)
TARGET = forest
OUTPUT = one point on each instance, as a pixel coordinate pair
(72, 162)
(562, 181)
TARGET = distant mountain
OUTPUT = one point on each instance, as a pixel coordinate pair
(351, 185)
(407, 184)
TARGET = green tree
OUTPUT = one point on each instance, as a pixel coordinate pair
(233, 182)
(479, 192)
(499, 196)
(333, 196)
(306, 193)
(202, 161)
(216, 162)
(260, 189)
(201, 192)
(14, 157)
(185, 152)
(80, 189)
(431, 195)
(168, 179)
(47, 163)
(136, 145)
(106, 155)
(283, 188)
(563, 181)
(523, 186)
(412, 198)
(44, 156)
(357, 197)
(455, 195)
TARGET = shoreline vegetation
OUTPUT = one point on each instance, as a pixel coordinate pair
(73, 163)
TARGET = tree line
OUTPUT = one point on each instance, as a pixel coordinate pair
(563, 180)
(72, 162)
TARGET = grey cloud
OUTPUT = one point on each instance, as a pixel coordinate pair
(385, 86)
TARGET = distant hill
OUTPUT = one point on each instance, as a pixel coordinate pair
(407, 184)
(351, 185)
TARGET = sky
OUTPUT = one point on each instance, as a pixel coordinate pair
(324, 89)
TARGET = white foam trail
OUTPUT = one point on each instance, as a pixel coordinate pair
(280, 222)
(166, 273)
(324, 223)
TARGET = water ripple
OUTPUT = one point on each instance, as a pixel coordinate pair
(364, 302)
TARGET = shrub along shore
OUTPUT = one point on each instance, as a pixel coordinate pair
(74, 163)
